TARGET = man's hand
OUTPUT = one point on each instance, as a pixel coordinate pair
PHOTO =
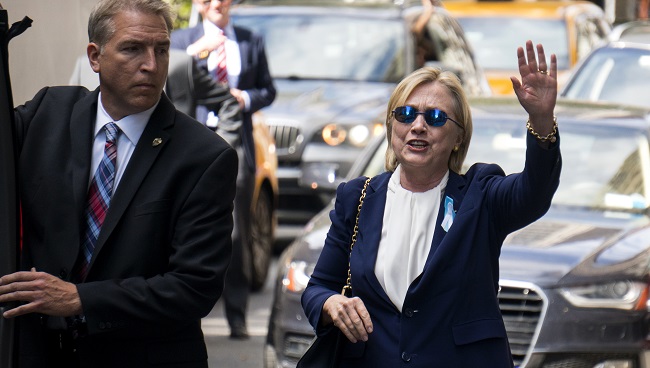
(205, 44)
(237, 94)
(41, 293)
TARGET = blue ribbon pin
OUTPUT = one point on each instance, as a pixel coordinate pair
(449, 214)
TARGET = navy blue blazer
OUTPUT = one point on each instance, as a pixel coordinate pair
(254, 77)
(451, 315)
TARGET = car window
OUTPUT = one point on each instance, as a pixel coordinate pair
(492, 38)
(597, 178)
(619, 75)
(306, 46)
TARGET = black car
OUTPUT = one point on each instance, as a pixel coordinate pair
(573, 285)
(334, 64)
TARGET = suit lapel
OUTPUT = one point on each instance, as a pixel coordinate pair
(454, 191)
(196, 33)
(243, 42)
(82, 125)
(143, 158)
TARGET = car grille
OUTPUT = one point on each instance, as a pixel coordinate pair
(588, 360)
(287, 138)
(522, 308)
(295, 346)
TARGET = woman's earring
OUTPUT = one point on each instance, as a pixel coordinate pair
(455, 148)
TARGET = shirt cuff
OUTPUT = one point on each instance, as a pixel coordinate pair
(247, 100)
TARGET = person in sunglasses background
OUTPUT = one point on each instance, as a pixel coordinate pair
(425, 265)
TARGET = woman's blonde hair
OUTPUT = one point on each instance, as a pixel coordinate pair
(461, 111)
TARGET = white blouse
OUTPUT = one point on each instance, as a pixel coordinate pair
(407, 232)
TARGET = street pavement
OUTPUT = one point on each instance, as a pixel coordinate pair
(226, 353)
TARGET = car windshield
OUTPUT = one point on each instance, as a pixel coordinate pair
(330, 47)
(492, 38)
(620, 75)
(616, 178)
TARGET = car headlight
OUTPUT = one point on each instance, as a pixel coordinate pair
(626, 295)
(357, 135)
(297, 276)
(333, 134)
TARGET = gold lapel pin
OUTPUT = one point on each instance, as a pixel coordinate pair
(156, 142)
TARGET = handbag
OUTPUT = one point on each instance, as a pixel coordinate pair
(325, 350)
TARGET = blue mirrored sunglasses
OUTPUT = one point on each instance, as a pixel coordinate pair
(433, 117)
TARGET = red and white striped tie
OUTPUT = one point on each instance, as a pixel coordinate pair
(221, 72)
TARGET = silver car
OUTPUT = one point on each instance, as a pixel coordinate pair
(618, 72)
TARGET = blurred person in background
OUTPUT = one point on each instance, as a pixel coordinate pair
(189, 86)
(235, 57)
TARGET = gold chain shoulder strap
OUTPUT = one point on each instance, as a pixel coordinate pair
(347, 289)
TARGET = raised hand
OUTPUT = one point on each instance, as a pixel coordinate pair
(205, 44)
(537, 90)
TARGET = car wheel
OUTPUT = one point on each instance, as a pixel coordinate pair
(262, 240)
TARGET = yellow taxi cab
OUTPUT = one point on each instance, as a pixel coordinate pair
(569, 29)
(264, 204)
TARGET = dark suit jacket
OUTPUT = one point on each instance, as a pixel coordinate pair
(254, 78)
(189, 86)
(162, 253)
(450, 316)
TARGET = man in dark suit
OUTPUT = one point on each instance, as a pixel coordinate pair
(135, 296)
(251, 83)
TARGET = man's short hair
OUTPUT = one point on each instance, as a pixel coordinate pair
(101, 25)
